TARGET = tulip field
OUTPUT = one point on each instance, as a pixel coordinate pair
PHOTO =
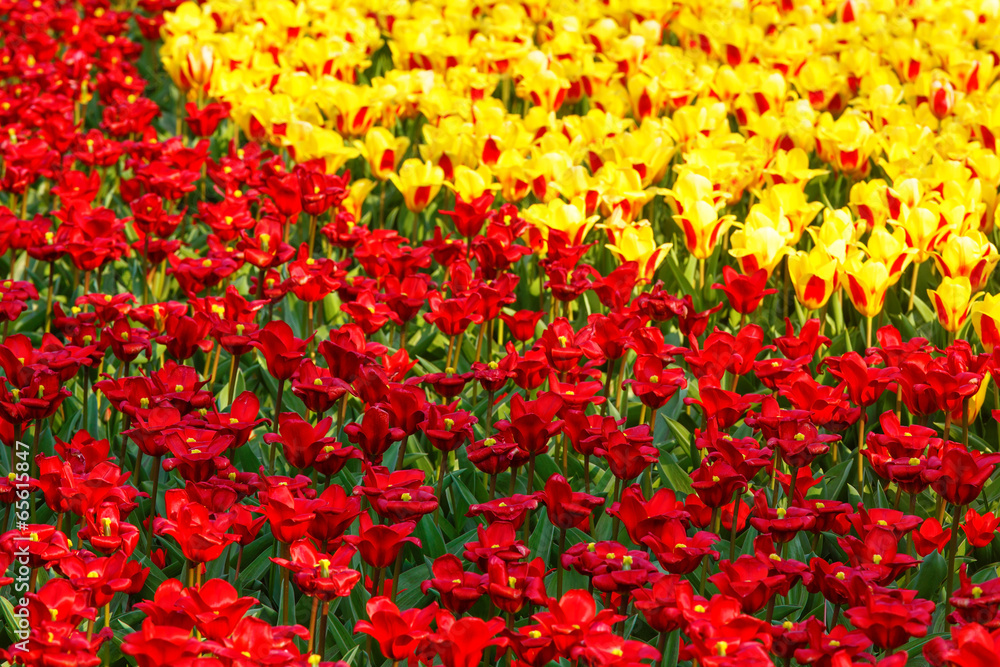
(597, 333)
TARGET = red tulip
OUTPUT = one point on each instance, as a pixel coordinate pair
(748, 580)
(744, 292)
(566, 508)
(320, 575)
(931, 537)
(959, 476)
(891, 620)
(398, 633)
(282, 351)
(980, 529)
(379, 546)
(458, 590)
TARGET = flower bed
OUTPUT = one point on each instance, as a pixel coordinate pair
(613, 334)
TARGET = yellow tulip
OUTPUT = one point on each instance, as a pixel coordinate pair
(191, 64)
(821, 80)
(866, 286)
(985, 314)
(419, 182)
(838, 234)
(970, 255)
(471, 184)
(792, 202)
(791, 167)
(814, 276)
(511, 172)
(545, 170)
(951, 302)
(702, 226)
(758, 246)
(355, 109)
(309, 142)
(846, 143)
(891, 250)
(544, 87)
(577, 182)
(691, 188)
(869, 202)
(648, 151)
(571, 219)
(621, 188)
(356, 195)
(636, 244)
(923, 228)
(383, 151)
(975, 402)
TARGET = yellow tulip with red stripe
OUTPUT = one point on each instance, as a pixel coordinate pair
(383, 151)
(985, 315)
(951, 302)
(636, 243)
(867, 284)
(419, 182)
(969, 255)
(814, 276)
(703, 227)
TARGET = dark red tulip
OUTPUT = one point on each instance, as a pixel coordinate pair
(744, 292)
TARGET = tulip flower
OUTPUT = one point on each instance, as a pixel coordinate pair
(814, 276)
(702, 226)
(419, 182)
(974, 602)
(287, 515)
(985, 316)
(498, 540)
(512, 585)
(216, 608)
(379, 546)
(397, 633)
(565, 507)
(979, 529)
(758, 244)
(958, 476)
(374, 434)
(889, 620)
(931, 537)
(636, 244)
(971, 256)
(867, 285)
(747, 579)
(383, 151)
(675, 551)
(744, 292)
(951, 302)
(459, 590)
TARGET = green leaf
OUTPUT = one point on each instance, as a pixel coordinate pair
(678, 479)
(930, 576)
